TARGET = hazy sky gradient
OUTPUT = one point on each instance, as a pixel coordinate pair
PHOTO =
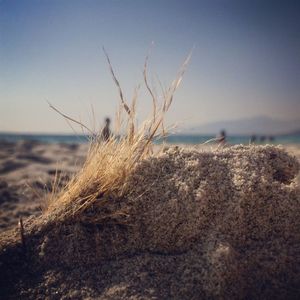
(245, 62)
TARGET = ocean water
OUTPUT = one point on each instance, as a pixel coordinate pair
(44, 138)
(172, 139)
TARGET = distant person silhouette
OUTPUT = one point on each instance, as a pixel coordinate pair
(106, 133)
(253, 139)
(222, 137)
(262, 139)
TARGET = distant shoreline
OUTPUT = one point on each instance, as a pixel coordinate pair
(191, 139)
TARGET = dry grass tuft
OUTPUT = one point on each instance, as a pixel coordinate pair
(109, 163)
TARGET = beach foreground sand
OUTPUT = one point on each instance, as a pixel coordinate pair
(197, 223)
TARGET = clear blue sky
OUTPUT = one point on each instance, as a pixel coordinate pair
(245, 62)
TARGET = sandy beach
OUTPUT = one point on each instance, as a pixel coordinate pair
(167, 263)
(149, 150)
(27, 173)
(28, 169)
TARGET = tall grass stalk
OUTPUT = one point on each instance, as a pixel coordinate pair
(108, 164)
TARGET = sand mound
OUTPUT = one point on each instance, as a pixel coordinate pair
(219, 224)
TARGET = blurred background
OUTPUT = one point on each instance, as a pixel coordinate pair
(244, 75)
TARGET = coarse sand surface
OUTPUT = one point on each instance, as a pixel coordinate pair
(194, 224)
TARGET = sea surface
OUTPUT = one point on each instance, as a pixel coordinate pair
(172, 139)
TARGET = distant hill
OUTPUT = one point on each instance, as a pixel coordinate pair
(258, 125)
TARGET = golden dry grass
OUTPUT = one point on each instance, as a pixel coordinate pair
(108, 164)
